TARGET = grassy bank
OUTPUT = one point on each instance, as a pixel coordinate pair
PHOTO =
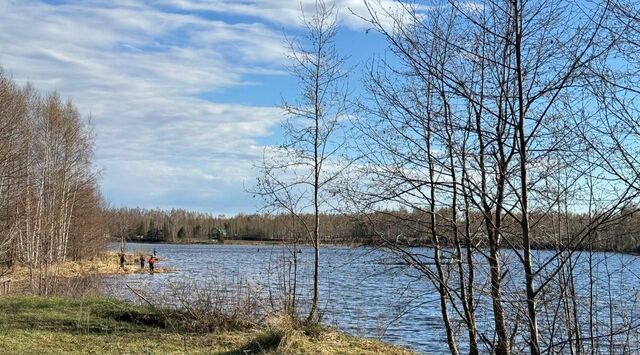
(32, 325)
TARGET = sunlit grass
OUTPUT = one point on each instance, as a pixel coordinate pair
(30, 325)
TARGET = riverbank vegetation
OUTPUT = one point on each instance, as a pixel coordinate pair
(80, 274)
(108, 326)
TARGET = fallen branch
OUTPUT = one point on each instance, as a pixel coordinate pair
(140, 296)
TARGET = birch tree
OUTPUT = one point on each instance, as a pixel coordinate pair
(296, 176)
(50, 205)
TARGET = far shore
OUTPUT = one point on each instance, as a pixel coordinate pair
(271, 242)
(265, 242)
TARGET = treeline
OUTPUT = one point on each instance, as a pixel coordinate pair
(401, 226)
(179, 225)
(50, 204)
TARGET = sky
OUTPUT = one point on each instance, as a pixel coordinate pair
(183, 95)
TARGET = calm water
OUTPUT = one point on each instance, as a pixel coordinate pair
(363, 291)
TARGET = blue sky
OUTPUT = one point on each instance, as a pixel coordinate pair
(184, 95)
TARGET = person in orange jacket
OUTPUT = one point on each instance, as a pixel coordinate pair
(152, 260)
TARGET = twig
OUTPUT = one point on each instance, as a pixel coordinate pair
(140, 296)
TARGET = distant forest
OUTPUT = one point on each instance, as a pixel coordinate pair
(411, 228)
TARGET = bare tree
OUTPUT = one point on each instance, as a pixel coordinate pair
(13, 117)
(50, 205)
(475, 105)
(297, 175)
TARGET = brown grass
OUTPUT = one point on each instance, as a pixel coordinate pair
(107, 263)
(282, 336)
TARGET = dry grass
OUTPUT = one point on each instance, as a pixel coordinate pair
(32, 325)
(107, 263)
(282, 336)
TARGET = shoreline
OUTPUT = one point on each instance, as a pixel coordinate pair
(103, 264)
(244, 242)
(635, 252)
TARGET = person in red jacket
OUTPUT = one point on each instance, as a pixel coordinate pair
(152, 260)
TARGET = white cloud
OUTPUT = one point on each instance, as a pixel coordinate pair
(139, 71)
(285, 12)
(143, 71)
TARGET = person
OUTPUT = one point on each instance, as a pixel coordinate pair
(122, 260)
(154, 251)
(141, 262)
(151, 261)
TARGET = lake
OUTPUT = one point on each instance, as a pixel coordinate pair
(363, 291)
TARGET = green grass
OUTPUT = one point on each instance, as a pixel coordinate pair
(96, 325)
(32, 325)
